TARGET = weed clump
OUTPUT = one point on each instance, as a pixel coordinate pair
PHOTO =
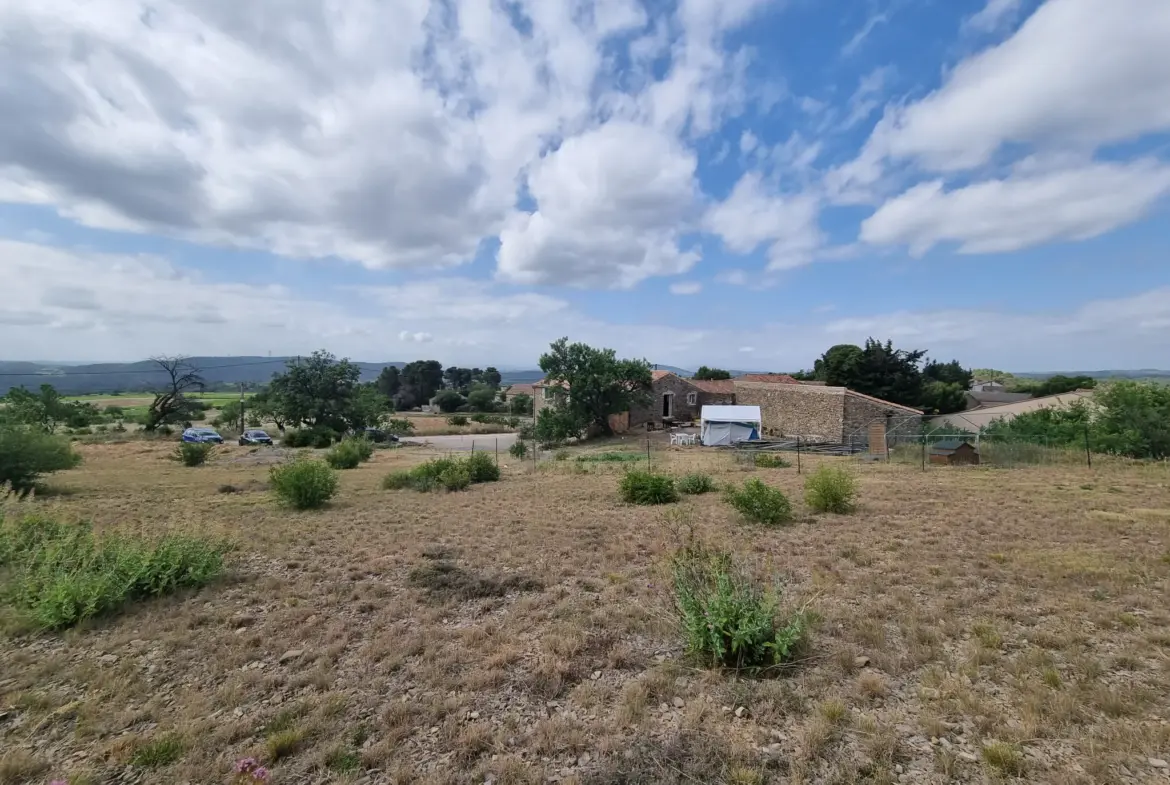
(759, 502)
(643, 487)
(518, 450)
(767, 460)
(695, 484)
(452, 474)
(457, 420)
(163, 751)
(193, 453)
(59, 574)
(611, 457)
(726, 618)
(831, 489)
(349, 453)
(304, 484)
(444, 580)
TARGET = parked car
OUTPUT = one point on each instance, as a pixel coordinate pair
(377, 436)
(202, 435)
(254, 436)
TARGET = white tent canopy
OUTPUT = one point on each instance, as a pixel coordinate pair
(729, 424)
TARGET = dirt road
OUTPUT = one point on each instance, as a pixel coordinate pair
(465, 442)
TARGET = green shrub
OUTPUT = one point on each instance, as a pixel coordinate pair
(480, 417)
(457, 420)
(349, 452)
(452, 474)
(59, 574)
(28, 453)
(831, 489)
(320, 438)
(519, 450)
(481, 467)
(455, 477)
(767, 460)
(193, 453)
(726, 618)
(696, 484)
(402, 426)
(642, 487)
(304, 484)
(759, 502)
(162, 751)
(527, 432)
(611, 457)
(512, 422)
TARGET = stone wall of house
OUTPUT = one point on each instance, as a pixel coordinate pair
(710, 398)
(682, 410)
(861, 410)
(813, 413)
(540, 402)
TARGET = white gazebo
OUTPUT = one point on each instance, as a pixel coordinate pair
(729, 424)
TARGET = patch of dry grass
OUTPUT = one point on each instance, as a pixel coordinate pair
(521, 630)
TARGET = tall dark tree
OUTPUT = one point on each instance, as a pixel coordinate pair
(837, 366)
(888, 373)
(706, 374)
(457, 379)
(597, 382)
(1055, 385)
(420, 380)
(172, 405)
(492, 377)
(950, 373)
(389, 381)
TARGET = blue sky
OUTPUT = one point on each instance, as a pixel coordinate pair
(739, 183)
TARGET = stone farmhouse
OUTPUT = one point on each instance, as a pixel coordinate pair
(789, 408)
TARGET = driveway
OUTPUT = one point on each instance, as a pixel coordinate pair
(483, 442)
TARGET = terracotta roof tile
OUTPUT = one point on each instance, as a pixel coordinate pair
(714, 385)
(774, 378)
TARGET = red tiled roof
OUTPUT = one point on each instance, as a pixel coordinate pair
(656, 375)
(774, 378)
(714, 385)
(520, 389)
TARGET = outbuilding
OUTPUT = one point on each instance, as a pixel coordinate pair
(720, 425)
(954, 453)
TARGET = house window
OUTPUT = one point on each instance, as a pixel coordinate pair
(547, 393)
(692, 398)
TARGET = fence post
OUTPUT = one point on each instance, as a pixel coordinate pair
(497, 451)
(647, 453)
(924, 453)
(1088, 453)
(798, 455)
(473, 446)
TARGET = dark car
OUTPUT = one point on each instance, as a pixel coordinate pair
(377, 436)
(254, 436)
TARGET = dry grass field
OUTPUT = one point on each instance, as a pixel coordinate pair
(973, 625)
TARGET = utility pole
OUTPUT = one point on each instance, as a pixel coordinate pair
(241, 408)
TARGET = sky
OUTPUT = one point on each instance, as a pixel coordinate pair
(737, 183)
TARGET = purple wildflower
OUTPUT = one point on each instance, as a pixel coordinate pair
(246, 765)
(260, 774)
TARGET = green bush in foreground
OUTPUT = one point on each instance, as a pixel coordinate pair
(726, 618)
(767, 460)
(642, 487)
(27, 453)
(695, 484)
(518, 450)
(452, 474)
(193, 453)
(831, 489)
(349, 453)
(304, 484)
(58, 574)
(759, 502)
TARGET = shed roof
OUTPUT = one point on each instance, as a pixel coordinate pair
(949, 445)
(730, 414)
(714, 385)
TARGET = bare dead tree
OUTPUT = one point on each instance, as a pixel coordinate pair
(171, 403)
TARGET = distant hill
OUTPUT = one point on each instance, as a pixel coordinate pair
(146, 376)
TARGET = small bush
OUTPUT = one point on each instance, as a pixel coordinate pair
(611, 457)
(696, 484)
(193, 453)
(512, 422)
(518, 450)
(397, 481)
(767, 460)
(59, 574)
(831, 489)
(642, 487)
(480, 417)
(457, 420)
(163, 751)
(320, 438)
(349, 453)
(402, 426)
(26, 454)
(481, 467)
(526, 432)
(455, 477)
(304, 484)
(726, 619)
(759, 502)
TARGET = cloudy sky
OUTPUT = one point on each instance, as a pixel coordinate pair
(732, 182)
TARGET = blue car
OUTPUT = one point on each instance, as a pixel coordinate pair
(202, 435)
